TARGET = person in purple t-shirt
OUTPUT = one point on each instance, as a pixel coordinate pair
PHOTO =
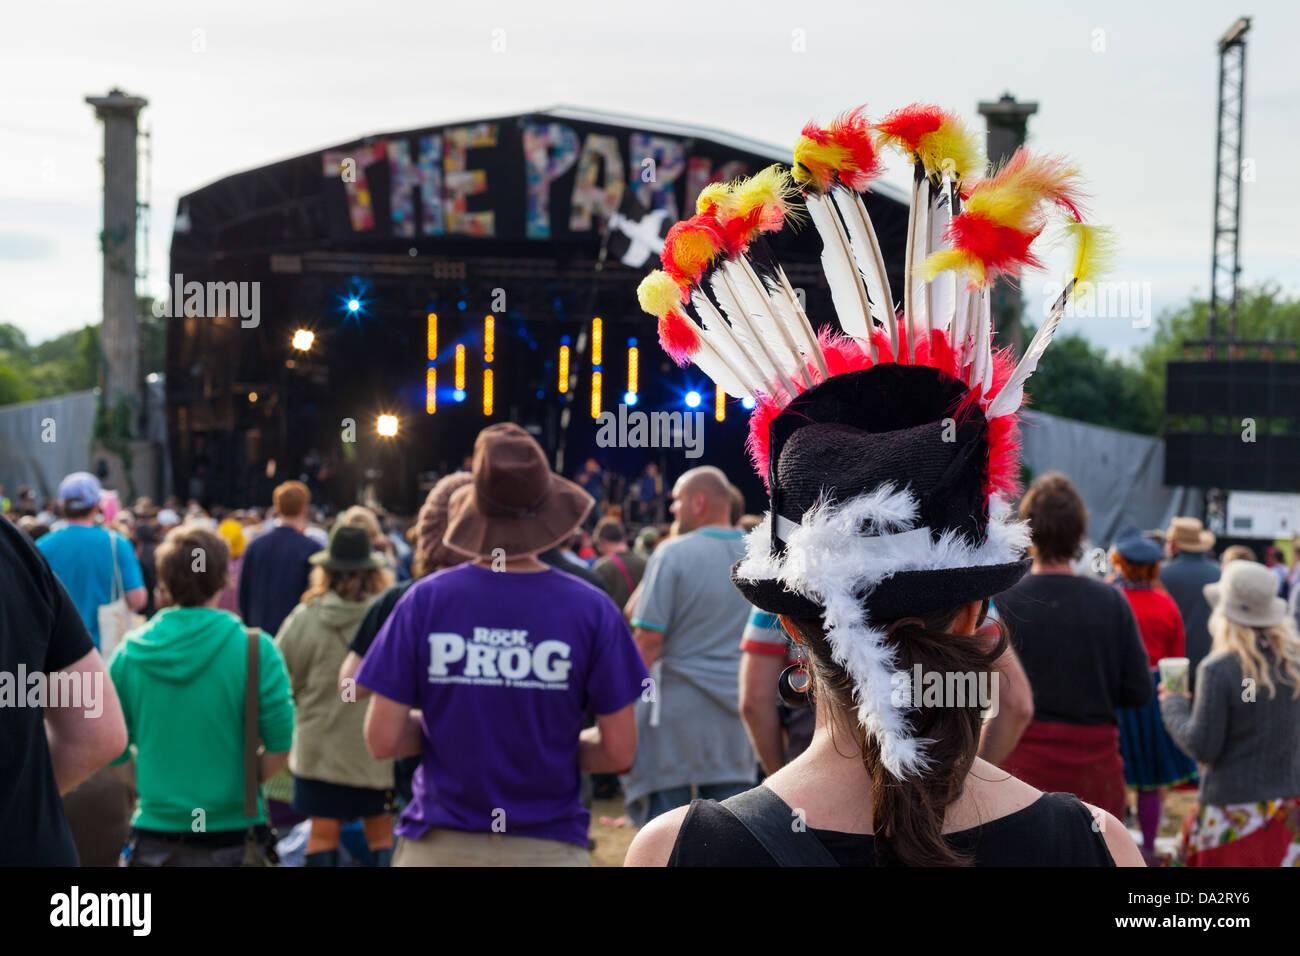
(486, 671)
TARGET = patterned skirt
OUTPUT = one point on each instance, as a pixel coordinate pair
(1151, 758)
(1266, 833)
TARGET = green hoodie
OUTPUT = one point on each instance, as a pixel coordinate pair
(181, 680)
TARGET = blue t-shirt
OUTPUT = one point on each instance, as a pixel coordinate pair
(503, 667)
(81, 559)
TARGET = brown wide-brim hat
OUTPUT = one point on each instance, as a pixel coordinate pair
(1188, 534)
(515, 504)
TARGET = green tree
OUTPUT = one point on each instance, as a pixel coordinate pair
(1077, 380)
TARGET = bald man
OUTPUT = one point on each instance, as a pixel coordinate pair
(688, 623)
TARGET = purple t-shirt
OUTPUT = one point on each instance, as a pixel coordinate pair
(503, 668)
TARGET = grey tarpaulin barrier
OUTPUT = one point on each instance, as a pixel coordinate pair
(1119, 474)
(28, 456)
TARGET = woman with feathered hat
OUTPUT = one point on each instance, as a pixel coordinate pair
(890, 453)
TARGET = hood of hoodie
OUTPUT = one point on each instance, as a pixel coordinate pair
(337, 614)
(178, 642)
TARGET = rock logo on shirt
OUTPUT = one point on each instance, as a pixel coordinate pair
(498, 657)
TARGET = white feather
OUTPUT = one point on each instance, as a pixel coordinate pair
(943, 288)
(962, 326)
(916, 311)
(763, 312)
(711, 363)
(982, 342)
(748, 334)
(847, 292)
(867, 255)
(801, 320)
(725, 342)
(1012, 394)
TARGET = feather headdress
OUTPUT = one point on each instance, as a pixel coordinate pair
(906, 419)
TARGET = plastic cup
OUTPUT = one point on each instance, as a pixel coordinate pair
(1173, 673)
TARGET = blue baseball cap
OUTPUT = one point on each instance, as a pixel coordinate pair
(80, 489)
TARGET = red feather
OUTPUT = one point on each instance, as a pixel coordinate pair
(678, 338)
(1000, 248)
(910, 123)
(852, 132)
(690, 246)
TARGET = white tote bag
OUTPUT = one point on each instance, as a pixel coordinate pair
(115, 617)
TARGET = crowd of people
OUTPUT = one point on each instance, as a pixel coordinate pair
(452, 691)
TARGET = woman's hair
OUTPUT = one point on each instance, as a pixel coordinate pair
(349, 585)
(192, 562)
(1137, 572)
(907, 815)
(1057, 517)
(1247, 644)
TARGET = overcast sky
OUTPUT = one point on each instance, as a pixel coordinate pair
(1126, 88)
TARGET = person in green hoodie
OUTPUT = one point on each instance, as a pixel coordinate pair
(181, 679)
(334, 777)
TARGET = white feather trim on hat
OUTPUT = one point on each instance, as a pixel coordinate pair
(831, 559)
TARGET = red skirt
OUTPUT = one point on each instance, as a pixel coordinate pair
(1072, 758)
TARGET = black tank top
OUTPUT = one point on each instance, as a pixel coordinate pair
(1055, 830)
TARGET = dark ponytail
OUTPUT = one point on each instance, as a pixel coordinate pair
(907, 815)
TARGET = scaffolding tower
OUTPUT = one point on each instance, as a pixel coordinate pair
(1225, 264)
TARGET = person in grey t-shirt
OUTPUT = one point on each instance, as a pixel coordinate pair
(688, 623)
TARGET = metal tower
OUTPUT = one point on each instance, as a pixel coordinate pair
(1225, 265)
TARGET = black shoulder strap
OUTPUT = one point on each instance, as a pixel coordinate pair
(772, 823)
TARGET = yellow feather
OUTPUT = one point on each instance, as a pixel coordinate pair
(1094, 252)
(1007, 204)
(817, 160)
(953, 148)
(714, 194)
(942, 261)
(771, 186)
(658, 293)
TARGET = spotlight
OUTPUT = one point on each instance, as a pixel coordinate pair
(458, 395)
(387, 426)
(354, 305)
(692, 399)
(629, 399)
(303, 339)
(747, 403)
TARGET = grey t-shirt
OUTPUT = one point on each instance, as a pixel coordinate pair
(691, 731)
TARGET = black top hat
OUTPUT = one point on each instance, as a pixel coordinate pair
(906, 436)
(349, 550)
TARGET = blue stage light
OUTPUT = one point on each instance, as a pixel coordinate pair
(692, 399)
(458, 395)
(354, 305)
(631, 343)
(629, 399)
(461, 305)
(747, 403)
